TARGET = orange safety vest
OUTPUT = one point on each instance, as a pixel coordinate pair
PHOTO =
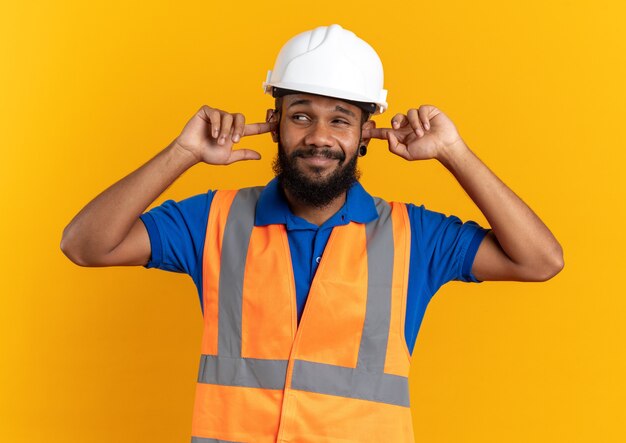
(342, 374)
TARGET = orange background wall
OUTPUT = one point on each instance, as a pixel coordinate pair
(91, 90)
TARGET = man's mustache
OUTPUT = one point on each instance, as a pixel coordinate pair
(318, 152)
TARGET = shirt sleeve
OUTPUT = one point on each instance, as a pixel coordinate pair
(446, 245)
(177, 231)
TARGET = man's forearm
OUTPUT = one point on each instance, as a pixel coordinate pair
(525, 239)
(105, 221)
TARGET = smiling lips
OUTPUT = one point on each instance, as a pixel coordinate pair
(317, 153)
(318, 160)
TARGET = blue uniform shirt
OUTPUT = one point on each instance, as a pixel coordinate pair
(442, 247)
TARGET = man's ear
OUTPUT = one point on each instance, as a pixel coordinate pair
(272, 116)
(370, 124)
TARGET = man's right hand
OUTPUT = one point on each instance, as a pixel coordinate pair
(108, 231)
(210, 134)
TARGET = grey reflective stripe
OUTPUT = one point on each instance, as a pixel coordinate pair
(368, 380)
(349, 382)
(210, 440)
(248, 372)
(239, 224)
(379, 234)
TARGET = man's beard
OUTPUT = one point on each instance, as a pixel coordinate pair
(317, 193)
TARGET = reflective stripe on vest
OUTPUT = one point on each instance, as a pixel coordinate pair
(367, 381)
(209, 440)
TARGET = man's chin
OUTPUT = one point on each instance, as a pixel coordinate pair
(316, 174)
(315, 180)
(315, 184)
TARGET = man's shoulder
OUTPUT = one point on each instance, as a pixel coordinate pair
(418, 215)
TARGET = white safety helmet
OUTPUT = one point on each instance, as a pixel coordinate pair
(329, 61)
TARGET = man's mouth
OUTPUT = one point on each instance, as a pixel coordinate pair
(317, 153)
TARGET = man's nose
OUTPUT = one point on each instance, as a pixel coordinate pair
(320, 134)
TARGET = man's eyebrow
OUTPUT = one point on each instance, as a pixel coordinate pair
(338, 108)
(303, 101)
(345, 111)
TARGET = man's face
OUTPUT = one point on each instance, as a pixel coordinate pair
(318, 146)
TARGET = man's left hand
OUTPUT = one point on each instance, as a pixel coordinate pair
(420, 134)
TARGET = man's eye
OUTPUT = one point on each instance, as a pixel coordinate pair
(299, 117)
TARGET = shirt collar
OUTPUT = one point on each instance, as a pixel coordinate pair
(272, 208)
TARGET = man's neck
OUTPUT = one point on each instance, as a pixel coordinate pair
(316, 215)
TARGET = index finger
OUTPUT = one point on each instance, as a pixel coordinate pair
(379, 133)
(259, 128)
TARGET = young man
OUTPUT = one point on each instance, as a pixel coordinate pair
(270, 369)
